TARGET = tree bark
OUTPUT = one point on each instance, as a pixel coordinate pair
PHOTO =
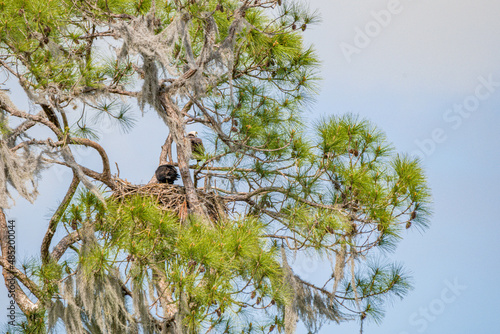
(176, 124)
(55, 219)
(165, 155)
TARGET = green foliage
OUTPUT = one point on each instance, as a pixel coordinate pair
(4, 127)
(376, 283)
(32, 323)
(365, 170)
(223, 271)
(337, 190)
(355, 194)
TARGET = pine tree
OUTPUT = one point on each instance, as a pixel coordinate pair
(212, 253)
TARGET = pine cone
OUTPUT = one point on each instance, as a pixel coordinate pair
(354, 152)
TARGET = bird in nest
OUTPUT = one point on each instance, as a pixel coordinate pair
(166, 174)
(197, 148)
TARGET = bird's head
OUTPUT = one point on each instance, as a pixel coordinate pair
(192, 134)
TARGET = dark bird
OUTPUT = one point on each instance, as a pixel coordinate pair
(166, 174)
(197, 147)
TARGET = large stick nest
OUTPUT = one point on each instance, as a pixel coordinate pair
(171, 197)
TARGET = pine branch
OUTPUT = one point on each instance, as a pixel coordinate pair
(63, 245)
(7, 105)
(44, 251)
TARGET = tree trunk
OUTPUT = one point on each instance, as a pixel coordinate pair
(176, 124)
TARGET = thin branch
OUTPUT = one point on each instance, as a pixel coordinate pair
(106, 171)
(7, 105)
(55, 219)
(63, 245)
(21, 129)
(87, 171)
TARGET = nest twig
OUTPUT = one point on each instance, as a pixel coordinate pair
(172, 198)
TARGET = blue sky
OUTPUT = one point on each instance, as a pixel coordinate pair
(413, 71)
(420, 65)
